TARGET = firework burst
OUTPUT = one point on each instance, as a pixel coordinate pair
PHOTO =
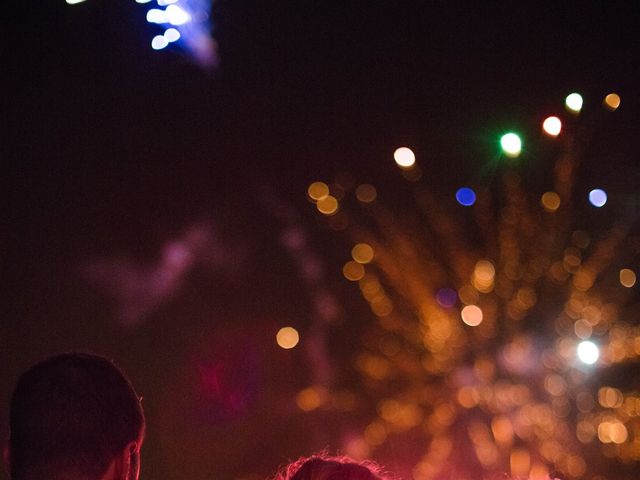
(500, 322)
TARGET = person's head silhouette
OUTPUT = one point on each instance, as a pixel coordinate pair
(75, 416)
(325, 467)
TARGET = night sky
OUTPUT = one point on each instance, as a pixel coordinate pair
(112, 151)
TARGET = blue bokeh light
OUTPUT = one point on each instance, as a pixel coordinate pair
(192, 32)
(466, 196)
(597, 197)
(446, 297)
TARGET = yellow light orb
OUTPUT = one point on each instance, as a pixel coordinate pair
(353, 271)
(328, 205)
(552, 126)
(574, 102)
(483, 276)
(375, 433)
(502, 429)
(318, 191)
(611, 101)
(310, 398)
(287, 337)
(484, 271)
(362, 253)
(627, 278)
(550, 201)
(472, 315)
(520, 462)
(619, 433)
(404, 157)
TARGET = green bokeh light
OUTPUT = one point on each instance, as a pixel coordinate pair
(511, 144)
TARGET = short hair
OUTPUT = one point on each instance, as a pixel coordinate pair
(325, 467)
(70, 416)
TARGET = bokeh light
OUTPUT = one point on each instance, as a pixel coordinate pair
(318, 191)
(73, 2)
(353, 271)
(310, 398)
(287, 337)
(588, 352)
(477, 338)
(583, 329)
(362, 253)
(511, 144)
(176, 15)
(192, 19)
(447, 297)
(627, 278)
(598, 197)
(573, 102)
(156, 15)
(612, 431)
(472, 315)
(327, 205)
(366, 193)
(159, 42)
(483, 276)
(611, 101)
(550, 201)
(609, 397)
(172, 35)
(404, 157)
(520, 462)
(552, 126)
(466, 196)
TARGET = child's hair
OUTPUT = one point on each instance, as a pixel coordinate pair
(322, 466)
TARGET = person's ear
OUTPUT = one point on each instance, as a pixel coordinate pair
(126, 463)
(134, 461)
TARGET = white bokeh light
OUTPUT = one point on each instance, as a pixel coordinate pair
(404, 157)
(598, 197)
(573, 102)
(159, 42)
(156, 15)
(588, 352)
(172, 35)
(511, 144)
(177, 15)
(552, 126)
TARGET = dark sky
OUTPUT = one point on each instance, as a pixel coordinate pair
(110, 149)
(101, 126)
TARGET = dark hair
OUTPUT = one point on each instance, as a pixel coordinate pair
(325, 467)
(70, 416)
